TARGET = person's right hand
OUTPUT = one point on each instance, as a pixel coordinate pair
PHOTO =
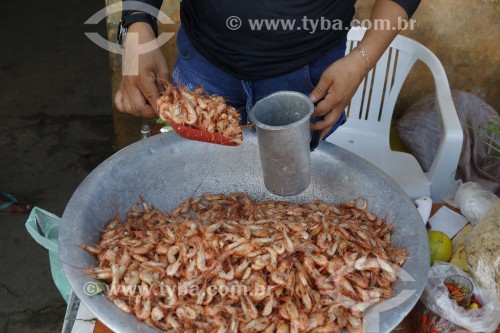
(139, 88)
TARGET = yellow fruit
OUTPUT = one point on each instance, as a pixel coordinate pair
(441, 246)
(473, 306)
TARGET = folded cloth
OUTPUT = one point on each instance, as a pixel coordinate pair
(419, 131)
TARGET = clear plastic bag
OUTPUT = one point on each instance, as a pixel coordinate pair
(472, 199)
(449, 195)
(430, 322)
(482, 248)
(436, 299)
(44, 228)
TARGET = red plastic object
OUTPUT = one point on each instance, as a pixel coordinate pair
(199, 135)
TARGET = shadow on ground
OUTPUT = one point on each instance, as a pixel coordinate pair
(55, 127)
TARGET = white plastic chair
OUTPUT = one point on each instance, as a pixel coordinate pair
(366, 132)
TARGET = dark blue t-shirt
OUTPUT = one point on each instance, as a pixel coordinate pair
(257, 39)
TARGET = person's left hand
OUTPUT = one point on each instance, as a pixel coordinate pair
(335, 89)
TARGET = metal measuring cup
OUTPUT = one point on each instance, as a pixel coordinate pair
(282, 121)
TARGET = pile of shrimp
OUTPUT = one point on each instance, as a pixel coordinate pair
(197, 110)
(223, 263)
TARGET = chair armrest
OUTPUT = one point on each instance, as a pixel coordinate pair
(442, 172)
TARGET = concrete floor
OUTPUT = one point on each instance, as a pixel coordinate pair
(55, 127)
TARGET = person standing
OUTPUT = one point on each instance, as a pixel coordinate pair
(228, 48)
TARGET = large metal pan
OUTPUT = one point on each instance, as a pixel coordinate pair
(167, 169)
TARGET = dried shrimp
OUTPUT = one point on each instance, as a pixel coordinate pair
(197, 110)
(222, 263)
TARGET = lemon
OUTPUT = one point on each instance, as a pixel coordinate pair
(441, 246)
(473, 306)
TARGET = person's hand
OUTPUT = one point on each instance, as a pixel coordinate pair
(140, 86)
(335, 89)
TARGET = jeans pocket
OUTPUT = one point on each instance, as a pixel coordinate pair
(308, 79)
(184, 46)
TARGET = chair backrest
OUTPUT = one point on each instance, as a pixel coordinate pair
(372, 106)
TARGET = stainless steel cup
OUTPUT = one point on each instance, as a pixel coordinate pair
(282, 121)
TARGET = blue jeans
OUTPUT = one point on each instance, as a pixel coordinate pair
(194, 70)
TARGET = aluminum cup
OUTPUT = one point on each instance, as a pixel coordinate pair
(282, 121)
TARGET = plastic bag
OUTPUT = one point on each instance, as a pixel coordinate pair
(449, 195)
(435, 298)
(49, 225)
(474, 201)
(482, 248)
(430, 322)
